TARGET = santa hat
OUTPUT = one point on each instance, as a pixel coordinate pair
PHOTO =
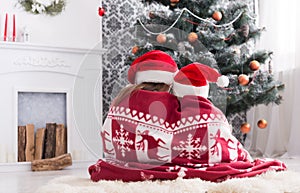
(194, 79)
(154, 66)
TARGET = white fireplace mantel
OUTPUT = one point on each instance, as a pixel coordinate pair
(40, 68)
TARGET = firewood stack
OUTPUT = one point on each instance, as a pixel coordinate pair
(46, 148)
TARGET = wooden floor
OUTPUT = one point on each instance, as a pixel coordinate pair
(28, 182)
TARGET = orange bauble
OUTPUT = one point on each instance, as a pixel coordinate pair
(135, 49)
(262, 124)
(217, 15)
(245, 128)
(173, 3)
(161, 38)
(254, 65)
(192, 37)
(243, 79)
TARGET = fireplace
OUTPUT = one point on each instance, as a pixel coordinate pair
(45, 114)
(42, 84)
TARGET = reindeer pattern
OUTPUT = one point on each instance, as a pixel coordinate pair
(152, 148)
(105, 141)
(222, 148)
(106, 137)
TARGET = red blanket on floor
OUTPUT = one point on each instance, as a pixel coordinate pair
(150, 135)
(115, 170)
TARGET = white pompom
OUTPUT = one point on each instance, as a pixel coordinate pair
(223, 81)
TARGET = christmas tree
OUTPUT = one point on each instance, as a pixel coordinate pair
(218, 33)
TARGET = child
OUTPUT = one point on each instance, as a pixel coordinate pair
(140, 110)
(209, 131)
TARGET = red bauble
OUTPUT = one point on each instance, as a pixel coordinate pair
(192, 37)
(101, 11)
(262, 124)
(243, 79)
(245, 128)
(254, 65)
(217, 15)
(161, 38)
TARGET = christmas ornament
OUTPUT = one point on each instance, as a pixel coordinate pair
(192, 37)
(245, 128)
(217, 15)
(161, 38)
(254, 65)
(262, 123)
(135, 49)
(101, 11)
(174, 2)
(243, 79)
(151, 15)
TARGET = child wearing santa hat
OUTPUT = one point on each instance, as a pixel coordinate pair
(204, 122)
(140, 110)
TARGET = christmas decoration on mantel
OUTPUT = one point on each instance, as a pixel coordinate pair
(220, 34)
(47, 7)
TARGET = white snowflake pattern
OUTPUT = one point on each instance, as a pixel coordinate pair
(191, 148)
(180, 171)
(122, 140)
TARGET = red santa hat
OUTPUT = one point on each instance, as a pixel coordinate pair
(194, 79)
(154, 66)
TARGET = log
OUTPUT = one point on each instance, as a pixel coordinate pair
(39, 143)
(29, 149)
(49, 149)
(61, 140)
(56, 163)
(21, 143)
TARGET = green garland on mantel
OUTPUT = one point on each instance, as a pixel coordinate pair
(48, 7)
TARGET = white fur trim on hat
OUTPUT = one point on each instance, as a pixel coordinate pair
(181, 90)
(157, 76)
(223, 81)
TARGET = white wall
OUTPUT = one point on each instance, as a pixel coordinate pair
(77, 26)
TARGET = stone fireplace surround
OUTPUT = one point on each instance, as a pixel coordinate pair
(39, 68)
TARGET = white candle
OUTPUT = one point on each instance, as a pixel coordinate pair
(25, 35)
